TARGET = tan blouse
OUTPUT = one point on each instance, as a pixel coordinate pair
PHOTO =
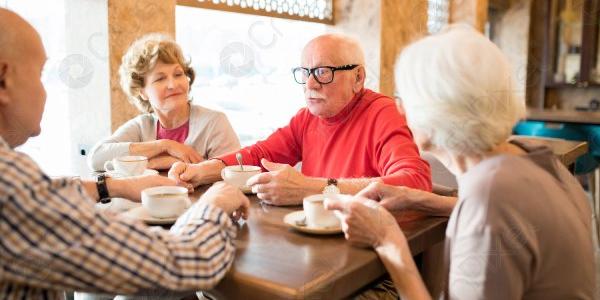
(521, 230)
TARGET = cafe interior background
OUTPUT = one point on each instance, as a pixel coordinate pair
(243, 51)
(242, 58)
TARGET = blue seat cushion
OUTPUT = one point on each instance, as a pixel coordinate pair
(575, 132)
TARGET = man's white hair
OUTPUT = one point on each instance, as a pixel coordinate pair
(457, 88)
(348, 49)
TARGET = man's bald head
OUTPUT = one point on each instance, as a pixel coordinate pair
(17, 37)
(22, 94)
(341, 49)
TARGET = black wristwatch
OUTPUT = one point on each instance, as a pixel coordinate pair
(102, 189)
(331, 187)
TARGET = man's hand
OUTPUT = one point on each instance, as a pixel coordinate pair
(132, 187)
(364, 222)
(282, 185)
(182, 152)
(184, 173)
(205, 172)
(228, 198)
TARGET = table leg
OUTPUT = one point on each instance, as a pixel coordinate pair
(432, 269)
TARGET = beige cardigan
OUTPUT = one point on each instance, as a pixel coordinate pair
(210, 134)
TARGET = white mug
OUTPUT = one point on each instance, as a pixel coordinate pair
(237, 177)
(131, 165)
(316, 214)
(165, 201)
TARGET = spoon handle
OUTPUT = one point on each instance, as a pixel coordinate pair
(238, 156)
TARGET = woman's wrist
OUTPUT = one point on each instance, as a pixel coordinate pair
(393, 246)
(164, 145)
(390, 235)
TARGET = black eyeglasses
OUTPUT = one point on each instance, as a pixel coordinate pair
(322, 75)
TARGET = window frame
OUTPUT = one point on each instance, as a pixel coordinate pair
(208, 4)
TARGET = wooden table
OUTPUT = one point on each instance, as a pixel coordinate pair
(275, 262)
(566, 151)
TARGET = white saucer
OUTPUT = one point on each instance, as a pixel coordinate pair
(140, 213)
(117, 205)
(292, 219)
(115, 174)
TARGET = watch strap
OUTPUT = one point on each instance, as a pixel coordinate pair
(332, 181)
(102, 188)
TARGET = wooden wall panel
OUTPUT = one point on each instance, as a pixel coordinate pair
(127, 21)
(470, 11)
(402, 22)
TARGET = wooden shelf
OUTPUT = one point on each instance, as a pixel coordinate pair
(571, 86)
(563, 116)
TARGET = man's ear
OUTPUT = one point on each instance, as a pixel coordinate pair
(3, 73)
(359, 79)
(3, 80)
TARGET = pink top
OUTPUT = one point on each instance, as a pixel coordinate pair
(178, 134)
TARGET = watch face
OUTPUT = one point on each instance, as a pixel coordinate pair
(331, 189)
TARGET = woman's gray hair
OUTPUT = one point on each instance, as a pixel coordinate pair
(141, 58)
(458, 89)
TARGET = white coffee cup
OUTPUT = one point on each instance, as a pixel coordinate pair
(131, 165)
(165, 201)
(316, 214)
(237, 176)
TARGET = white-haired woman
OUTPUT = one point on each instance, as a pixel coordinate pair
(157, 80)
(521, 226)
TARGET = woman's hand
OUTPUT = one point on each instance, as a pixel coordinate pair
(162, 162)
(180, 151)
(398, 199)
(392, 198)
(364, 221)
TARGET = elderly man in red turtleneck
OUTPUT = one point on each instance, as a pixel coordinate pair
(347, 136)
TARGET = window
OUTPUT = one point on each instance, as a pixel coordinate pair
(51, 147)
(307, 10)
(243, 66)
(77, 113)
(437, 15)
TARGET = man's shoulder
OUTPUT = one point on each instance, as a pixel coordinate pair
(303, 114)
(376, 102)
(18, 167)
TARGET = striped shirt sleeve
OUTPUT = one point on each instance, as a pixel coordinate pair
(52, 238)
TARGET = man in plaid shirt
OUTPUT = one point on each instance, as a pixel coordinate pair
(51, 237)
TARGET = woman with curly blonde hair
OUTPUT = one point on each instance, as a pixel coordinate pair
(157, 79)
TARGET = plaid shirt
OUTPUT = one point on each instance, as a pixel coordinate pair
(52, 239)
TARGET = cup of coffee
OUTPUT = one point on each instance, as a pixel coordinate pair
(237, 176)
(316, 214)
(131, 165)
(165, 201)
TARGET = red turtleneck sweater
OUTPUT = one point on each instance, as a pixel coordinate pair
(368, 138)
